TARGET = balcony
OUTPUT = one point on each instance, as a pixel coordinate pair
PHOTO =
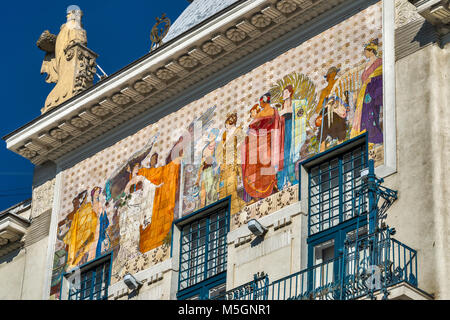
(371, 267)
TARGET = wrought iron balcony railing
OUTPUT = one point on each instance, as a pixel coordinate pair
(370, 264)
(367, 264)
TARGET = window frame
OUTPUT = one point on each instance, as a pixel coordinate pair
(203, 287)
(338, 232)
(341, 216)
(85, 268)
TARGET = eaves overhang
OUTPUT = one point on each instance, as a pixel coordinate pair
(437, 12)
(178, 65)
(13, 227)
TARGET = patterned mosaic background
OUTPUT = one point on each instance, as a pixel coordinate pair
(101, 210)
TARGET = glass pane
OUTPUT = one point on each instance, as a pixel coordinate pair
(203, 253)
(333, 187)
(217, 291)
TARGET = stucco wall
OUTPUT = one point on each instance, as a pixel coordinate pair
(22, 273)
(281, 252)
(11, 275)
(421, 213)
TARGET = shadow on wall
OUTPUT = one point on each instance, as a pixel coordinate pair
(10, 256)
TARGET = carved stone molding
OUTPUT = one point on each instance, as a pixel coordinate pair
(143, 87)
(42, 198)
(164, 74)
(236, 35)
(79, 122)
(261, 21)
(27, 153)
(405, 13)
(188, 61)
(286, 6)
(59, 134)
(121, 99)
(211, 48)
(99, 111)
(84, 75)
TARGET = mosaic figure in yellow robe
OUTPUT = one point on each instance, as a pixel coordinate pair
(81, 234)
(163, 205)
(230, 163)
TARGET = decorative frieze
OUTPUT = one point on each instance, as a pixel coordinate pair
(199, 55)
(273, 14)
(66, 126)
(27, 153)
(164, 74)
(86, 115)
(79, 122)
(59, 134)
(112, 106)
(211, 48)
(405, 12)
(143, 87)
(100, 111)
(303, 4)
(154, 81)
(261, 21)
(176, 69)
(248, 28)
(286, 6)
(128, 93)
(235, 35)
(188, 61)
(35, 146)
(48, 140)
(120, 99)
(266, 206)
(224, 42)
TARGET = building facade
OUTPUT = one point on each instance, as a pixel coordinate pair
(268, 149)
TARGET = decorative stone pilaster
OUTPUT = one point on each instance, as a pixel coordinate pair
(42, 198)
(405, 12)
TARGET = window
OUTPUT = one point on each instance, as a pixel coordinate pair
(90, 282)
(333, 186)
(334, 211)
(203, 253)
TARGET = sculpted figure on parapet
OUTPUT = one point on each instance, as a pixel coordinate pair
(68, 62)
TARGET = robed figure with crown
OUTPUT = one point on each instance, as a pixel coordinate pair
(370, 98)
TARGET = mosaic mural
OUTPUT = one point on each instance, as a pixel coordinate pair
(243, 141)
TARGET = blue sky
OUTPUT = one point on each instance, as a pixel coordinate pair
(119, 31)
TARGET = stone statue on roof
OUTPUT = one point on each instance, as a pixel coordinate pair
(68, 62)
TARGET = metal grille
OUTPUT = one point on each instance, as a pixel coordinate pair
(333, 189)
(93, 284)
(203, 249)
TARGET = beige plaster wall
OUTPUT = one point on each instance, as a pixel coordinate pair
(421, 213)
(282, 251)
(35, 269)
(11, 275)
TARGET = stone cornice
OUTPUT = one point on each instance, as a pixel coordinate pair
(12, 229)
(170, 70)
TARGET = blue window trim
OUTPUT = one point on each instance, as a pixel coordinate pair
(87, 265)
(202, 287)
(361, 139)
(181, 220)
(338, 232)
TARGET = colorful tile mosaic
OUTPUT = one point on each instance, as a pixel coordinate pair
(253, 133)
